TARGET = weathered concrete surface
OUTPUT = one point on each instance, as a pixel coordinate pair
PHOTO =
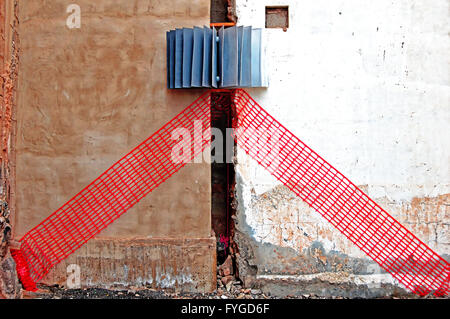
(9, 49)
(283, 219)
(291, 250)
(89, 95)
(366, 85)
(157, 263)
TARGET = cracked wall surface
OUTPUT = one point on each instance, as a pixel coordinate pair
(366, 85)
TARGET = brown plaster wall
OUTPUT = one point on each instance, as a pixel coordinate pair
(88, 96)
(158, 263)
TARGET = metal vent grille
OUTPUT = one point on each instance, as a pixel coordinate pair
(206, 57)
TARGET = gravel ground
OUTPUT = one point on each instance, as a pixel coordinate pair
(55, 292)
(226, 289)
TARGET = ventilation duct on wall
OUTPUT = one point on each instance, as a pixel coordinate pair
(206, 57)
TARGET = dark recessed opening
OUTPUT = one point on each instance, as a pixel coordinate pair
(277, 17)
(219, 11)
(222, 175)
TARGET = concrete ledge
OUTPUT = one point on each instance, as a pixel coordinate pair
(162, 263)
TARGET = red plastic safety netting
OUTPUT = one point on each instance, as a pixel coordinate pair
(338, 200)
(273, 146)
(110, 195)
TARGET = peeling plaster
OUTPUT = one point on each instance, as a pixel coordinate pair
(366, 85)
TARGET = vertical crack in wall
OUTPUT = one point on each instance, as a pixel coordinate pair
(223, 183)
(223, 187)
(222, 171)
(234, 248)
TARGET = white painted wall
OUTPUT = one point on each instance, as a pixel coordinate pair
(366, 84)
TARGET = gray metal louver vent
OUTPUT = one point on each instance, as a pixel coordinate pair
(224, 58)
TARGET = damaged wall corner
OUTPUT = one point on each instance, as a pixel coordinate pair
(231, 11)
(9, 64)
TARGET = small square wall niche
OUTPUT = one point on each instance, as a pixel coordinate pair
(277, 17)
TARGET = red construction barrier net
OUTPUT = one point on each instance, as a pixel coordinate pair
(338, 200)
(273, 146)
(111, 194)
